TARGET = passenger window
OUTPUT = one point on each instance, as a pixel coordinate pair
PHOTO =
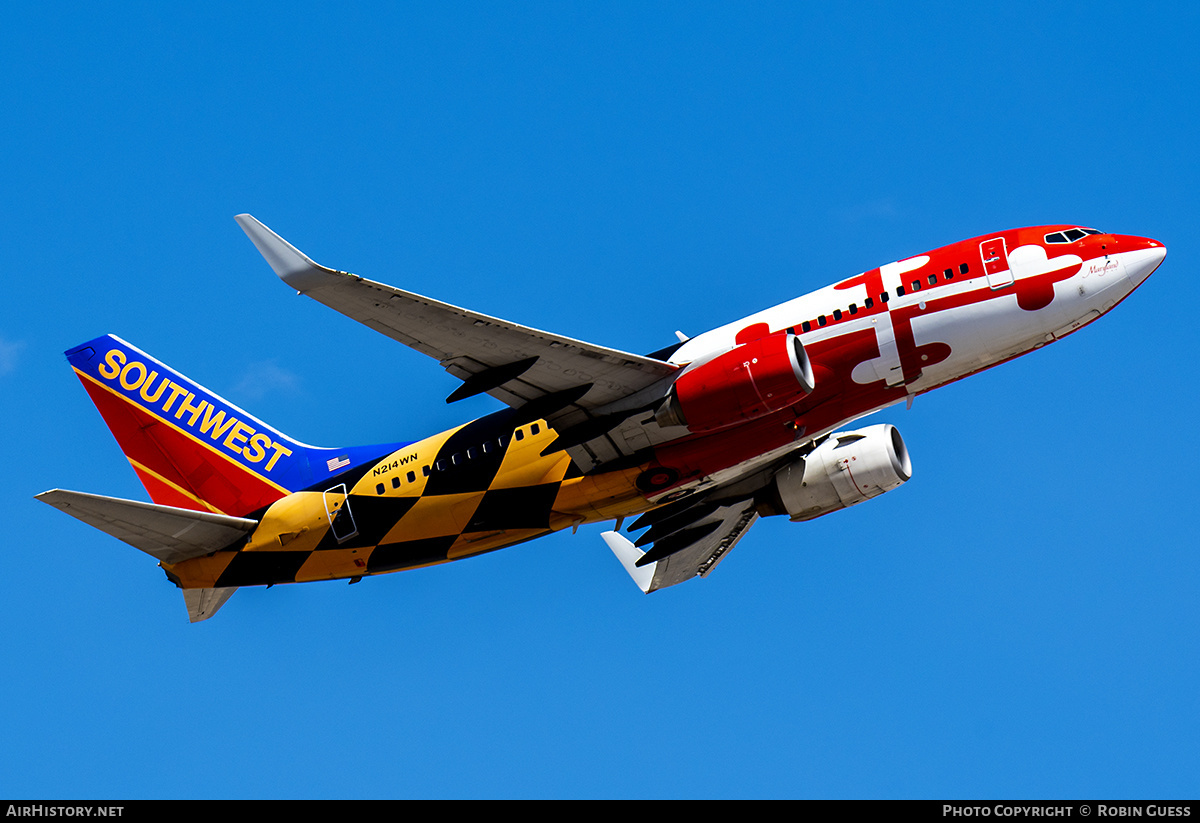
(425, 470)
(807, 326)
(396, 482)
(932, 279)
(379, 488)
(962, 269)
(884, 297)
(837, 314)
(853, 309)
(948, 274)
(900, 291)
(412, 477)
(520, 434)
(442, 465)
(868, 303)
(534, 429)
(821, 320)
(916, 285)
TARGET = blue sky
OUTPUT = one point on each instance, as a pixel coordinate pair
(1020, 620)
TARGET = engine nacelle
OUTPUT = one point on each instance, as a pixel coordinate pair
(845, 470)
(745, 383)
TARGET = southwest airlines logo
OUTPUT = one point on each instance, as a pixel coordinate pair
(202, 418)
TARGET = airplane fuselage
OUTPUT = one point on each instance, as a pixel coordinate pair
(873, 340)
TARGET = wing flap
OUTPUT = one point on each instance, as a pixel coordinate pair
(690, 551)
(701, 556)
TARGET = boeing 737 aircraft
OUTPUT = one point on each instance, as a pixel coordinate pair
(695, 441)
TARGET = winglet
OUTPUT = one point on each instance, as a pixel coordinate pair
(293, 266)
(629, 555)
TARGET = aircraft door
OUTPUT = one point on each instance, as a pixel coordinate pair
(341, 519)
(887, 365)
(995, 262)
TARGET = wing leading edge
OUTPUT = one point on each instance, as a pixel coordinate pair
(581, 389)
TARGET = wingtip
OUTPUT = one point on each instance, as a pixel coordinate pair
(293, 266)
(251, 225)
(628, 554)
(58, 498)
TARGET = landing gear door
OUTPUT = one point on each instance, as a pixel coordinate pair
(995, 262)
(337, 507)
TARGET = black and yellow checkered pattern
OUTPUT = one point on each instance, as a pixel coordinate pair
(473, 489)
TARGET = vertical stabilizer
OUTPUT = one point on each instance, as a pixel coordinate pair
(191, 448)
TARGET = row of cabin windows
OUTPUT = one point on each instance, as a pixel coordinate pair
(869, 303)
(458, 459)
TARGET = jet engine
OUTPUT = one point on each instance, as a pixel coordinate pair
(745, 383)
(844, 470)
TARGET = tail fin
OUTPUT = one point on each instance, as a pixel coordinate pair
(190, 448)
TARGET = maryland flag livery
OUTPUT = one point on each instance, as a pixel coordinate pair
(696, 441)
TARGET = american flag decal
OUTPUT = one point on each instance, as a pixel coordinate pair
(335, 463)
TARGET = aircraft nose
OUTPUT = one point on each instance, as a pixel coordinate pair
(1141, 263)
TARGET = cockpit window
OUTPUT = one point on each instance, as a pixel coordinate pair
(1070, 235)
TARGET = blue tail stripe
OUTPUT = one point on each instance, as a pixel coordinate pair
(212, 420)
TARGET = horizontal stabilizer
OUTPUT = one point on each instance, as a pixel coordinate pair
(167, 533)
(203, 603)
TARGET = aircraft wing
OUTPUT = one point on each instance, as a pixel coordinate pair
(587, 392)
(685, 539)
